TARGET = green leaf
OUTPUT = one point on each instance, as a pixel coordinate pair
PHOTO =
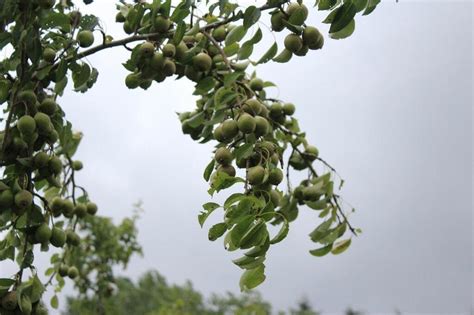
(255, 235)
(245, 51)
(179, 33)
(231, 49)
(54, 302)
(343, 17)
(247, 262)
(282, 233)
(326, 4)
(252, 278)
(222, 181)
(208, 170)
(360, 4)
(230, 78)
(319, 252)
(244, 151)
(240, 229)
(320, 231)
(341, 246)
(217, 231)
(271, 52)
(256, 37)
(233, 199)
(371, 5)
(251, 16)
(89, 22)
(80, 75)
(345, 32)
(204, 85)
(284, 56)
(209, 208)
(196, 120)
(235, 35)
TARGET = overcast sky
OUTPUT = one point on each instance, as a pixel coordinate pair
(390, 108)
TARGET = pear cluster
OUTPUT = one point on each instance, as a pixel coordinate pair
(302, 37)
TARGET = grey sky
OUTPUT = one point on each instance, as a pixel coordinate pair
(390, 108)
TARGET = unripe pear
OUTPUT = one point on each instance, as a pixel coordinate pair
(202, 62)
(297, 162)
(119, 17)
(28, 97)
(228, 169)
(6, 199)
(157, 61)
(146, 49)
(63, 269)
(58, 237)
(72, 238)
(311, 35)
(246, 123)
(49, 54)
(262, 126)
(303, 51)
(55, 165)
(181, 50)
(192, 74)
(252, 106)
(229, 129)
(26, 125)
(41, 159)
(91, 208)
(48, 106)
(43, 233)
(85, 38)
(311, 152)
(80, 210)
(256, 84)
(311, 193)
(275, 177)
(77, 165)
(298, 13)
(57, 205)
(43, 122)
(219, 33)
(277, 21)
(46, 4)
(169, 50)
(10, 301)
(276, 110)
(293, 42)
(132, 81)
(68, 208)
(275, 197)
(162, 24)
(23, 199)
(223, 156)
(298, 193)
(288, 109)
(169, 67)
(127, 27)
(72, 272)
(318, 45)
(255, 175)
(218, 135)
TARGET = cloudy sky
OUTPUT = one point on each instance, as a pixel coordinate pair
(390, 107)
